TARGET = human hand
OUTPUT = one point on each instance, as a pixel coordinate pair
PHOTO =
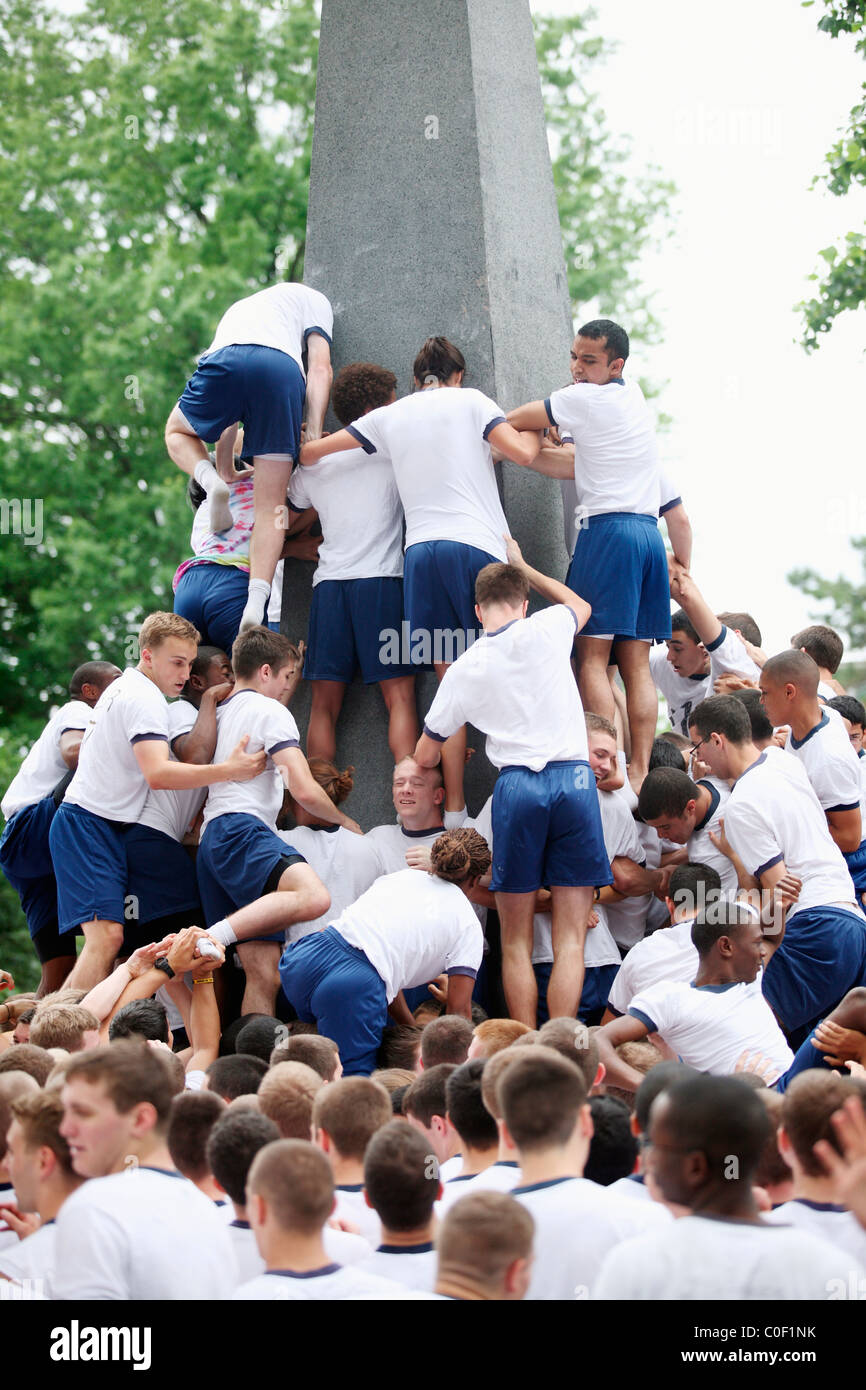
(837, 1044)
(761, 1066)
(143, 958)
(439, 989)
(592, 920)
(727, 683)
(780, 735)
(349, 824)
(756, 653)
(419, 857)
(23, 1223)
(205, 964)
(241, 766)
(16, 1007)
(215, 694)
(720, 840)
(181, 955)
(6, 980)
(513, 553)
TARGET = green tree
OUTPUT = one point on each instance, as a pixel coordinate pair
(841, 284)
(154, 166)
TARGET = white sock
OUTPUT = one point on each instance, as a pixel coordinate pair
(220, 513)
(253, 614)
(205, 474)
(222, 932)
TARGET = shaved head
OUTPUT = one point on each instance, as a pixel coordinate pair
(793, 668)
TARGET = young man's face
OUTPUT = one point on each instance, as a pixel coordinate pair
(688, 658)
(748, 951)
(589, 361)
(98, 1134)
(855, 734)
(92, 690)
(775, 701)
(666, 1156)
(22, 1167)
(169, 664)
(602, 753)
(416, 793)
(276, 680)
(677, 828)
(711, 751)
(219, 672)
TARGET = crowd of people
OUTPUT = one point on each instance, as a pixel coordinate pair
(601, 1037)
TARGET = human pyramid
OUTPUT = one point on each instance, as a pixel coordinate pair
(601, 1037)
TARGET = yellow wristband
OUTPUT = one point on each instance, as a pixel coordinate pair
(204, 980)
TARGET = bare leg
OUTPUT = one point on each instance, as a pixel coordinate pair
(643, 705)
(403, 731)
(259, 961)
(300, 897)
(327, 701)
(453, 755)
(102, 941)
(54, 973)
(516, 911)
(188, 451)
(183, 444)
(570, 911)
(269, 532)
(593, 656)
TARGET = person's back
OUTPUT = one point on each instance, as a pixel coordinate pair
(437, 443)
(280, 317)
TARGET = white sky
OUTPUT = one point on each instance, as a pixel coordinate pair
(738, 105)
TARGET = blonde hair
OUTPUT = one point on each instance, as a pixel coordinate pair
(158, 627)
(62, 1025)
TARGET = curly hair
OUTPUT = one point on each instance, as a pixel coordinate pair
(360, 387)
(458, 855)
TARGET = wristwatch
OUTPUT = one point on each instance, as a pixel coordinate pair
(163, 965)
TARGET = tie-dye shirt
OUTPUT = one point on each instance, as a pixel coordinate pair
(227, 547)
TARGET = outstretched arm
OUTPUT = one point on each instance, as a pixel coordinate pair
(548, 588)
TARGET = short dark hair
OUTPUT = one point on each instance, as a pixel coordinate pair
(466, 1109)
(232, 1145)
(615, 338)
(500, 583)
(850, 708)
(743, 623)
(795, 668)
(808, 1106)
(822, 643)
(440, 358)
(228, 1038)
(427, 1096)
(90, 673)
(541, 1096)
(719, 1116)
(401, 1047)
(131, 1073)
(446, 1039)
(762, 729)
(359, 387)
(717, 919)
(140, 1018)
(318, 1053)
(660, 1078)
(401, 1182)
(681, 622)
(239, 1075)
(193, 1116)
(258, 647)
(665, 791)
(666, 754)
(722, 714)
(258, 1038)
(691, 884)
(613, 1149)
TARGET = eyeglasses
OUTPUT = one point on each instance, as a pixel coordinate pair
(695, 746)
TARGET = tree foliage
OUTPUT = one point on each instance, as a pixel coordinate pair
(154, 167)
(841, 284)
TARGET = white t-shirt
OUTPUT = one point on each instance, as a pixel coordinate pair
(497, 683)
(351, 1205)
(711, 1026)
(413, 1266)
(280, 317)
(700, 847)
(774, 814)
(616, 461)
(412, 926)
(665, 956)
(501, 1176)
(332, 1283)
(832, 1223)
(437, 442)
(390, 843)
(698, 1258)
(347, 865)
(142, 1234)
(682, 693)
(173, 812)
(830, 763)
(340, 1246)
(109, 782)
(729, 656)
(43, 767)
(576, 1224)
(270, 726)
(359, 509)
(32, 1261)
(626, 920)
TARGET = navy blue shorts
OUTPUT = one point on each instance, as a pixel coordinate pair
(620, 567)
(260, 386)
(237, 858)
(332, 984)
(24, 849)
(856, 862)
(439, 597)
(597, 981)
(350, 620)
(90, 864)
(822, 956)
(213, 598)
(161, 877)
(547, 830)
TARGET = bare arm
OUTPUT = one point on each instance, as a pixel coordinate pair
(845, 828)
(319, 378)
(685, 591)
(162, 774)
(680, 534)
(532, 416)
(459, 1000)
(312, 451)
(428, 751)
(520, 447)
(548, 588)
(69, 745)
(204, 1020)
(609, 1038)
(199, 744)
(307, 792)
